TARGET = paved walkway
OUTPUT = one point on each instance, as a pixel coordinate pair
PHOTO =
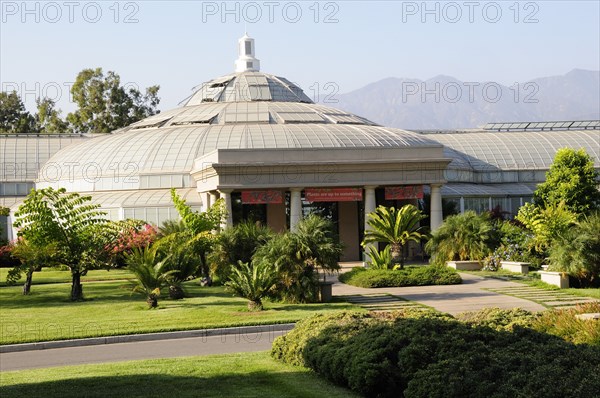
(548, 298)
(471, 295)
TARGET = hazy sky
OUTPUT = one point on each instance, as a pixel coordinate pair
(179, 44)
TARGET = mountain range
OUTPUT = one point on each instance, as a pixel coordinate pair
(444, 102)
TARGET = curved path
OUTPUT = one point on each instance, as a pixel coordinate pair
(468, 296)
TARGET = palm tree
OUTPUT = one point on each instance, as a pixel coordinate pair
(465, 236)
(318, 245)
(396, 227)
(151, 277)
(577, 251)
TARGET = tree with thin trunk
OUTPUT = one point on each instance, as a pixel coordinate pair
(396, 227)
(69, 222)
(31, 259)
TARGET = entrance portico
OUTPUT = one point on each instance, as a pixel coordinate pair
(299, 173)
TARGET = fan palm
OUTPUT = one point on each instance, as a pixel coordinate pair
(396, 227)
(465, 236)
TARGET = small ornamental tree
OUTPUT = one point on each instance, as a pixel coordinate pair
(31, 259)
(69, 222)
(572, 180)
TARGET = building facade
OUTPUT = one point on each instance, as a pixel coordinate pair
(257, 141)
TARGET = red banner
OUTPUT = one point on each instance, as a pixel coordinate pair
(261, 197)
(333, 194)
(404, 192)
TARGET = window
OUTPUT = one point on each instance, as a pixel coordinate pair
(248, 48)
(249, 64)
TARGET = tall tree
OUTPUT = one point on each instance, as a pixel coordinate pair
(14, 118)
(572, 180)
(396, 227)
(47, 118)
(105, 105)
(70, 223)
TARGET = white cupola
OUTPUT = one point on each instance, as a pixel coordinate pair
(246, 61)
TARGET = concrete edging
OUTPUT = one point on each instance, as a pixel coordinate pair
(128, 338)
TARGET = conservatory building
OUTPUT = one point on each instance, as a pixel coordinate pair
(259, 143)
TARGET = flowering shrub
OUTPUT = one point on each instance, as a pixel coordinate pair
(132, 238)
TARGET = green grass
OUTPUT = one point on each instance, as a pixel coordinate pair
(52, 275)
(231, 375)
(111, 309)
(532, 279)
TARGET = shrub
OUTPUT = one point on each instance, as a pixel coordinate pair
(298, 255)
(433, 355)
(563, 323)
(237, 244)
(577, 251)
(499, 319)
(465, 236)
(417, 276)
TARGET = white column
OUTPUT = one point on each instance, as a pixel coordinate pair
(370, 206)
(436, 216)
(213, 197)
(295, 207)
(462, 205)
(205, 201)
(226, 195)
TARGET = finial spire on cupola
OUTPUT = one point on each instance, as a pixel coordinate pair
(246, 61)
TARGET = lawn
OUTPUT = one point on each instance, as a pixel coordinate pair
(111, 309)
(531, 280)
(53, 275)
(231, 375)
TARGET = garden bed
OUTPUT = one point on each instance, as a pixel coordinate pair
(410, 276)
(426, 354)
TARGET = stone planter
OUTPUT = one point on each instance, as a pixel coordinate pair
(559, 279)
(464, 265)
(515, 266)
(325, 291)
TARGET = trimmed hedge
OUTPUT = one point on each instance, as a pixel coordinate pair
(413, 276)
(427, 354)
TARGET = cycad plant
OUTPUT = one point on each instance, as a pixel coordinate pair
(178, 253)
(149, 271)
(252, 282)
(461, 237)
(396, 227)
(380, 259)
